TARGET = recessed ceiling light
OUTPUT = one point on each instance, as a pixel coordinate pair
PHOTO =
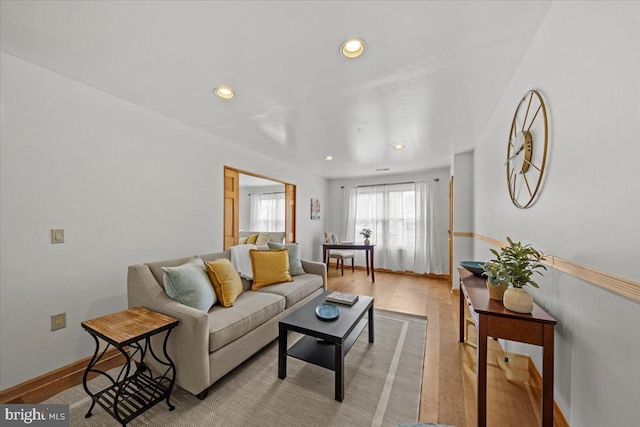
(224, 92)
(328, 158)
(398, 147)
(352, 48)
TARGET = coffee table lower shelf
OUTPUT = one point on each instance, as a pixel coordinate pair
(322, 353)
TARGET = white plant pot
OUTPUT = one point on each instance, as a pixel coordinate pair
(518, 300)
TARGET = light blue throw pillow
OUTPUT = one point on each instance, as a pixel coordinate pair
(295, 265)
(189, 284)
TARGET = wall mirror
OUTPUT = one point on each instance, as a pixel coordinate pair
(255, 203)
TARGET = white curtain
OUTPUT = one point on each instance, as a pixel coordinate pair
(428, 243)
(350, 204)
(402, 218)
(267, 212)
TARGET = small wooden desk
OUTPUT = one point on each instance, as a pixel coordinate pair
(326, 247)
(493, 320)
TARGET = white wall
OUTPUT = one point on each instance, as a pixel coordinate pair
(586, 62)
(128, 185)
(337, 206)
(462, 171)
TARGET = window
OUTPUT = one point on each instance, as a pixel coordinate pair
(403, 224)
(389, 211)
(267, 212)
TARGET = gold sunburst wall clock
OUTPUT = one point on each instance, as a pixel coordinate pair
(527, 150)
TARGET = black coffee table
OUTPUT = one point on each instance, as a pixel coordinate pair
(336, 337)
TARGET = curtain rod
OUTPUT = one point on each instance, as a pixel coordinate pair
(393, 183)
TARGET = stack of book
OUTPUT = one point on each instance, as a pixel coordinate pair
(342, 298)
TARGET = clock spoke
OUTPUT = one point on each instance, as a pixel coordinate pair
(526, 181)
(534, 117)
(539, 170)
(527, 113)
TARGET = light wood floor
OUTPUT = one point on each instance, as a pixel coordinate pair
(449, 376)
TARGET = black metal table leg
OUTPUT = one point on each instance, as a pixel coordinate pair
(371, 324)
(282, 352)
(339, 372)
(90, 366)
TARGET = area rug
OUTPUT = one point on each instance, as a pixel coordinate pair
(382, 387)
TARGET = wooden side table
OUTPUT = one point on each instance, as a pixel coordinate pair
(131, 393)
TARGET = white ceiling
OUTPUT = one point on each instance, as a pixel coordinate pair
(430, 79)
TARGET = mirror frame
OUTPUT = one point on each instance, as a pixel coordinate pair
(231, 215)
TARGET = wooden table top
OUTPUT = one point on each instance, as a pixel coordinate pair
(478, 293)
(125, 327)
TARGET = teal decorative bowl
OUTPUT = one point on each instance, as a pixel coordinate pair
(327, 311)
(474, 267)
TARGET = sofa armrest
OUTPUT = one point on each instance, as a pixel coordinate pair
(318, 268)
(188, 344)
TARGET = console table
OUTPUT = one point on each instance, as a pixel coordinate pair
(131, 393)
(493, 320)
(326, 247)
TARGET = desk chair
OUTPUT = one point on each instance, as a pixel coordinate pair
(339, 255)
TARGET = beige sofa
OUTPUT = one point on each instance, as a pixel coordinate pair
(206, 346)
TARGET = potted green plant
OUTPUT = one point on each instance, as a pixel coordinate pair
(366, 232)
(515, 265)
(496, 283)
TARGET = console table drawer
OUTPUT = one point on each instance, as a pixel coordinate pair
(515, 330)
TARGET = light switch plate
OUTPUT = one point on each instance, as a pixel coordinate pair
(57, 235)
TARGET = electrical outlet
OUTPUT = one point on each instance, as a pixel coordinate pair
(58, 321)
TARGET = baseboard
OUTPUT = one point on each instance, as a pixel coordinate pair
(406, 273)
(43, 387)
(535, 379)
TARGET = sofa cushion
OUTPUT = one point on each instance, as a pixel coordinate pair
(269, 267)
(294, 292)
(263, 239)
(295, 265)
(249, 311)
(156, 267)
(226, 280)
(188, 284)
(251, 240)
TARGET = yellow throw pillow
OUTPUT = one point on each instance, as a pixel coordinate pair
(251, 240)
(225, 279)
(269, 267)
